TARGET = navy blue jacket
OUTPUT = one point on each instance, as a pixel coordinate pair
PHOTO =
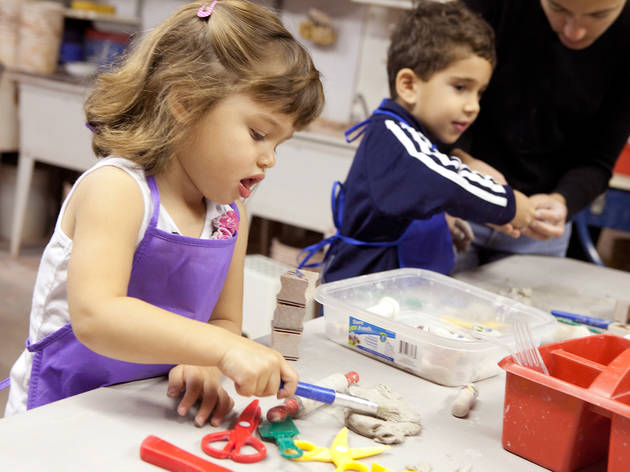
(398, 176)
(552, 119)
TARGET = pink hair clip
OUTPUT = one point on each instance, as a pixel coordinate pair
(206, 9)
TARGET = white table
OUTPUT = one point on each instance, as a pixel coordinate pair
(102, 430)
(554, 284)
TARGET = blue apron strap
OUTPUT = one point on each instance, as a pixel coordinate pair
(391, 114)
(337, 202)
(360, 127)
(336, 196)
(309, 251)
(5, 383)
(395, 116)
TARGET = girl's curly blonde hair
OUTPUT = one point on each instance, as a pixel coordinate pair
(195, 62)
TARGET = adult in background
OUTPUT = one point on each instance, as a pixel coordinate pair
(555, 116)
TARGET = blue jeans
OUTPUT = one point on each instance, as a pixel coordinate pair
(490, 245)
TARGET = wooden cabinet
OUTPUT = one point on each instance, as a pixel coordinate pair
(52, 130)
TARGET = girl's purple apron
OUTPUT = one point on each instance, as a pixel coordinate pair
(177, 273)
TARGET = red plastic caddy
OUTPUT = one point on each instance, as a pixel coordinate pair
(577, 415)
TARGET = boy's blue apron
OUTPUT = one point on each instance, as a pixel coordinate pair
(177, 273)
(425, 244)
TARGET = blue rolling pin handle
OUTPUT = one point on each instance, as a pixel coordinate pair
(314, 392)
(587, 320)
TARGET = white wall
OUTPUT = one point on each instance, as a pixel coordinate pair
(154, 11)
(126, 8)
(337, 63)
(355, 63)
(372, 72)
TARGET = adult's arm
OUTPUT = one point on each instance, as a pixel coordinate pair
(596, 150)
(595, 145)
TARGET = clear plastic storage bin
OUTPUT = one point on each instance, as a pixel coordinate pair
(442, 330)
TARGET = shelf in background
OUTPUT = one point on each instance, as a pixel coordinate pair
(94, 16)
(406, 4)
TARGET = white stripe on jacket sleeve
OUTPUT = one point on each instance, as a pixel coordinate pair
(429, 157)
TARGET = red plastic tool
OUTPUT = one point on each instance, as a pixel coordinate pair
(238, 437)
(158, 452)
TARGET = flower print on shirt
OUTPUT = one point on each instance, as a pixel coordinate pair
(225, 226)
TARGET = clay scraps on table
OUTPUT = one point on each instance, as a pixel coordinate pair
(394, 420)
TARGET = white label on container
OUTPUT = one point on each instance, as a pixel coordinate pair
(382, 342)
(408, 349)
(408, 353)
(371, 338)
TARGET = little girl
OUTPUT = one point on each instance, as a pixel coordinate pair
(145, 266)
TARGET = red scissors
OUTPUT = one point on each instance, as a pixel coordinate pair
(238, 437)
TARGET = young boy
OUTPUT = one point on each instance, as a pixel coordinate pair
(439, 62)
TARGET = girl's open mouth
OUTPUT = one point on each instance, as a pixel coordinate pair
(245, 186)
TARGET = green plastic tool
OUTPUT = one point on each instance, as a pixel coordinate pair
(282, 433)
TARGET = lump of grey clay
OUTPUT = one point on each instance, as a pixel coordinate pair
(394, 420)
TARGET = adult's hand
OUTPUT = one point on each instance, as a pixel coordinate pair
(479, 166)
(551, 215)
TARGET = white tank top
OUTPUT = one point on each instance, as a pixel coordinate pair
(49, 310)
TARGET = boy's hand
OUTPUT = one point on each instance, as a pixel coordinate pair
(257, 370)
(507, 228)
(525, 211)
(203, 384)
(551, 215)
(461, 232)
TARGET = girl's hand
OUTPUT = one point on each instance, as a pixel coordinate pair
(257, 370)
(203, 384)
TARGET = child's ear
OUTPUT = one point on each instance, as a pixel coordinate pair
(176, 107)
(407, 86)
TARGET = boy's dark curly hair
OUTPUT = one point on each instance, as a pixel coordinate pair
(435, 34)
